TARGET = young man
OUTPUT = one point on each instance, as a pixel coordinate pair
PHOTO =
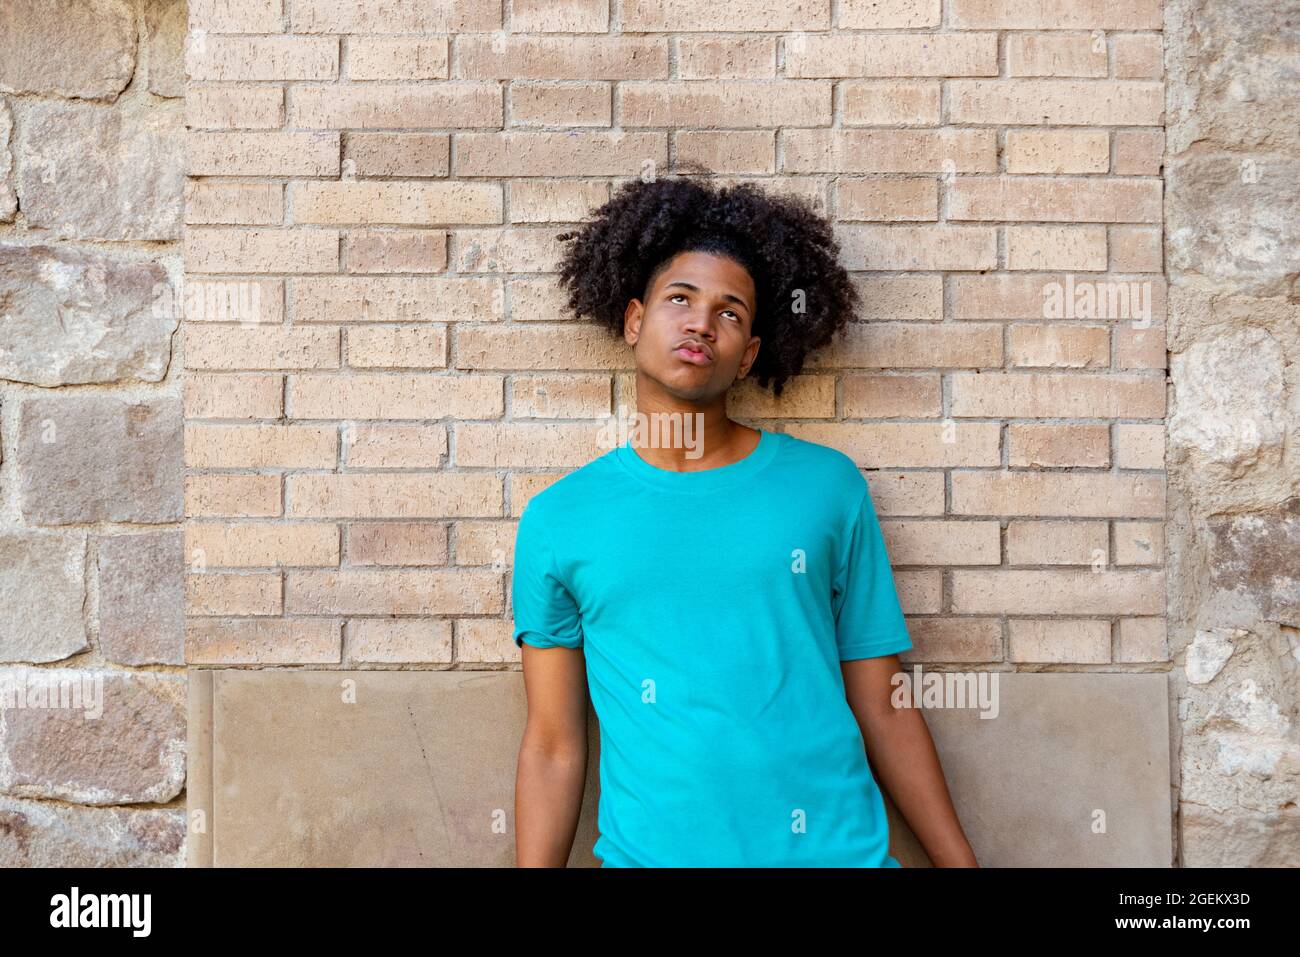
(729, 605)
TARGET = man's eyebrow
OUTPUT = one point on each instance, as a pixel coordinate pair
(694, 288)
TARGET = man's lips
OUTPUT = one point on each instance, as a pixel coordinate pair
(693, 353)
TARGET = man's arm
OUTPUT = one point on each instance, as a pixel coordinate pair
(552, 767)
(905, 760)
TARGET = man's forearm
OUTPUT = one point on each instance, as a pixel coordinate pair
(548, 802)
(907, 766)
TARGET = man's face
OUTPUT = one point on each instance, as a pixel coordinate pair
(691, 334)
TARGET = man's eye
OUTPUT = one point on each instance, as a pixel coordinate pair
(678, 295)
(732, 314)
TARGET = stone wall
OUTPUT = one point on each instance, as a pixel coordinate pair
(91, 596)
(1233, 257)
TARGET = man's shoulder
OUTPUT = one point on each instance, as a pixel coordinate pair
(825, 466)
(574, 488)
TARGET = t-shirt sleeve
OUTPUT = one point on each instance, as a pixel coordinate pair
(868, 617)
(545, 613)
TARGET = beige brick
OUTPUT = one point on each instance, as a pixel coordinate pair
(538, 301)
(232, 496)
(1057, 296)
(558, 154)
(396, 251)
(729, 151)
(907, 493)
(955, 639)
(261, 153)
(1140, 348)
(915, 542)
(528, 444)
(1142, 640)
(1054, 199)
(395, 396)
(1136, 249)
(1036, 248)
(513, 57)
(804, 397)
(227, 58)
(232, 300)
(907, 445)
(1056, 543)
(888, 14)
(398, 154)
(260, 544)
(397, 543)
(395, 495)
(1063, 494)
(574, 16)
(1075, 395)
(260, 347)
(538, 346)
(234, 204)
(919, 247)
(904, 298)
(330, 16)
(560, 396)
(903, 345)
(233, 396)
(228, 593)
(221, 107)
(1140, 446)
(890, 54)
(1139, 152)
(1038, 445)
(890, 396)
(556, 201)
(1064, 346)
(486, 543)
(889, 151)
(1059, 641)
(260, 446)
(396, 106)
(1054, 14)
(641, 16)
(236, 16)
(1056, 592)
(891, 102)
(561, 104)
(1139, 543)
(1058, 102)
(504, 251)
(1056, 54)
(397, 58)
(262, 641)
(396, 299)
(887, 200)
(211, 249)
(395, 446)
(726, 57)
(398, 641)
(1058, 151)
(397, 347)
(724, 103)
(920, 591)
(397, 203)
(394, 592)
(1139, 57)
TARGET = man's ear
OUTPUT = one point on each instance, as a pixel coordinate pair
(632, 321)
(751, 354)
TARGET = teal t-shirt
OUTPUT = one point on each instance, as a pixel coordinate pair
(713, 609)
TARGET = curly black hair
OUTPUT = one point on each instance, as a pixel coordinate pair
(784, 244)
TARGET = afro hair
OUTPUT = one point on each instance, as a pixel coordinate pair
(804, 295)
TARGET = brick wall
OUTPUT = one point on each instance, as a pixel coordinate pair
(386, 372)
